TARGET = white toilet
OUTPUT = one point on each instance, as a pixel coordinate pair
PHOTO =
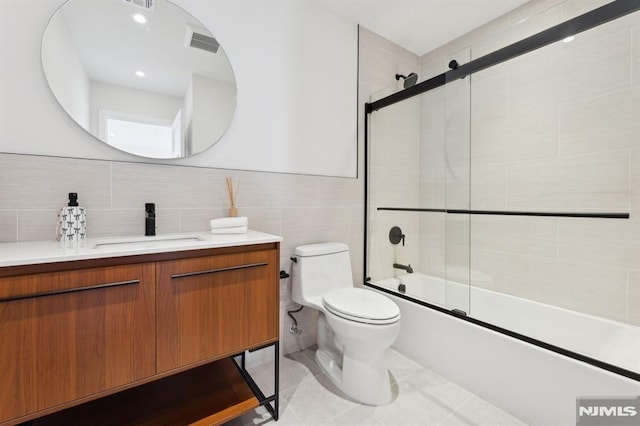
(355, 325)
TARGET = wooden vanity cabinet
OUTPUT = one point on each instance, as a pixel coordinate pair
(103, 327)
(213, 306)
(71, 334)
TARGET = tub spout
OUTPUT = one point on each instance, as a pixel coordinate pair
(407, 268)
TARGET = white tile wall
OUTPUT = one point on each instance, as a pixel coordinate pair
(582, 182)
(602, 242)
(635, 56)
(633, 301)
(394, 154)
(555, 129)
(8, 225)
(600, 290)
(599, 124)
(31, 182)
(634, 178)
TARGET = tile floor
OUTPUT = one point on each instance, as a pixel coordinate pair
(421, 397)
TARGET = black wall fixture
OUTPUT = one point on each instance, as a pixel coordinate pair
(396, 235)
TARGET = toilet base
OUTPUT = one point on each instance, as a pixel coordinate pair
(364, 379)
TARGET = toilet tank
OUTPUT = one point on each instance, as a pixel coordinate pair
(319, 268)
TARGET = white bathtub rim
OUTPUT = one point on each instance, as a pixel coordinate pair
(625, 366)
(398, 279)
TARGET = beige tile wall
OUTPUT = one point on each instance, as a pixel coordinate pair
(554, 130)
(301, 209)
(394, 154)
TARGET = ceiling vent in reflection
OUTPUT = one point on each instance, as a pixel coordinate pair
(149, 5)
(200, 39)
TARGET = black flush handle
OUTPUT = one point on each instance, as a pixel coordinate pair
(396, 235)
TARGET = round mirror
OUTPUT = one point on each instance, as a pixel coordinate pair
(143, 76)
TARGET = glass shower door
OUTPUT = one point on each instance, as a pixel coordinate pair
(392, 197)
(457, 188)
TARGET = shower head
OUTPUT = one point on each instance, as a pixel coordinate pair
(409, 80)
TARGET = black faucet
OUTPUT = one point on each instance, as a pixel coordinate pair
(150, 219)
(407, 268)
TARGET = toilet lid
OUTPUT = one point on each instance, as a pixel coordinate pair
(358, 304)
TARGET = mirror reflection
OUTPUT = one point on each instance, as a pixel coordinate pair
(143, 76)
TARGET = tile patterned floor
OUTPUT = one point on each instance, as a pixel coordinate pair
(421, 397)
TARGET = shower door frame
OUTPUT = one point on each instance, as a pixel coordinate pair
(584, 22)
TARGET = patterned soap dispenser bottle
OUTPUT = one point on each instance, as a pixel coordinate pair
(72, 223)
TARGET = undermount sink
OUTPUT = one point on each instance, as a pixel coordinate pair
(147, 242)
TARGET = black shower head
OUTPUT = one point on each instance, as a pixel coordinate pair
(409, 80)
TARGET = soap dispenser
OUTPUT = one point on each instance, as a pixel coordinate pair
(72, 223)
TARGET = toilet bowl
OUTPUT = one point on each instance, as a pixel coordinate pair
(355, 325)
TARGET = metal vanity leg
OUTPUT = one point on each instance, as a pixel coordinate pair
(265, 401)
(276, 384)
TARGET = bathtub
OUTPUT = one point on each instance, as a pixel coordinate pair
(537, 385)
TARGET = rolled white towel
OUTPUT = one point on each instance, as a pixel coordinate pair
(229, 222)
(230, 230)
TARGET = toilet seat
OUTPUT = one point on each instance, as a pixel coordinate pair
(360, 305)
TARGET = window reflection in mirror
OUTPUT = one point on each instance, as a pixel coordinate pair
(142, 138)
(153, 77)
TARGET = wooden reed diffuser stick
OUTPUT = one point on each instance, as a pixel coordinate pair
(230, 190)
(233, 210)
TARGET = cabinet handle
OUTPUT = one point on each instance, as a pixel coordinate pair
(69, 290)
(215, 271)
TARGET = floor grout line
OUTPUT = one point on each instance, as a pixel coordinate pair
(453, 412)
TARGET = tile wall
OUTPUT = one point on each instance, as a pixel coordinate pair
(394, 153)
(553, 130)
(302, 209)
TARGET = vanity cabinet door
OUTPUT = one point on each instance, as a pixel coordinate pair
(215, 306)
(68, 335)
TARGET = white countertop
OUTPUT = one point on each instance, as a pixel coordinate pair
(36, 252)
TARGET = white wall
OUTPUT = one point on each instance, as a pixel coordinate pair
(295, 67)
(130, 101)
(66, 74)
(211, 114)
(187, 118)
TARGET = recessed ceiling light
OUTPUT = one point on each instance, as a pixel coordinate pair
(140, 73)
(139, 17)
(568, 39)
